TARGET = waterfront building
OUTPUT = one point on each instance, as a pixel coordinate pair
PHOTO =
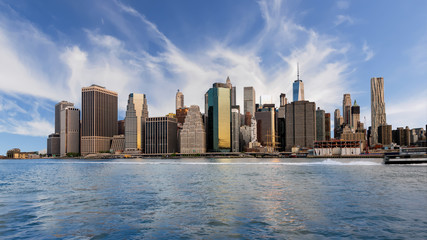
(248, 136)
(99, 119)
(193, 135)
(53, 145)
(70, 131)
(384, 134)
(58, 108)
(235, 128)
(266, 129)
(327, 126)
(355, 116)
(349, 135)
(298, 88)
(300, 123)
(16, 153)
(121, 127)
(320, 125)
(346, 109)
(136, 114)
(249, 101)
(118, 143)
(160, 135)
(219, 118)
(378, 116)
(337, 148)
(179, 101)
(402, 136)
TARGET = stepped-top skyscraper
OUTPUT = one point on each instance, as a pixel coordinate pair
(249, 100)
(179, 100)
(99, 119)
(298, 88)
(136, 114)
(378, 117)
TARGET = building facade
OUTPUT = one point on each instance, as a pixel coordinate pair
(179, 100)
(327, 126)
(136, 114)
(235, 128)
(355, 115)
(219, 118)
(70, 131)
(53, 145)
(193, 135)
(99, 119)
(266, 128)
(378, 116)
(384, 134)
(346, 109)
(58, 108)
(300, 123)
(320, 125)
(160, 135)
(249, 101)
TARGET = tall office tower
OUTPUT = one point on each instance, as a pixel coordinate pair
(300, 119)
(99, 119)
(401, 136)
(70, 130)
(283, 100)
(378, 116)
(179, 100)
(136, 114)
(249, 100)
(320, 125)
(355, 115)
(346, 109)
(53, 145)
(233, 96)
(161, 135)
(338, 121)
(58, 108)
(384, 134)
(298, 88)
(327, 126)
(219, 118)
(235, 128)
(206, 103)
(266, 128)
(193, 135)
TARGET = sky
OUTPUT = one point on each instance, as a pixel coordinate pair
(50, 49)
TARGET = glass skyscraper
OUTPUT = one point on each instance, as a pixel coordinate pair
(219, 118)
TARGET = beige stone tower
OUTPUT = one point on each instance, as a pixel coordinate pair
(193, 135)
(378, 117)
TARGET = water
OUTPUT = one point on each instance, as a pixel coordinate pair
(212, 199)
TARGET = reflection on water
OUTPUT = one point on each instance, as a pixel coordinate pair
(212, 198)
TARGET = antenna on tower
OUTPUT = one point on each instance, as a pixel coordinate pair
(297, 70)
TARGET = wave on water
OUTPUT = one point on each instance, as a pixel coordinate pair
(235, 162)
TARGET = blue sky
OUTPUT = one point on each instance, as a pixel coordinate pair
(50, 49)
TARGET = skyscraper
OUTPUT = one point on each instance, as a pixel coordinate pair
(320, 125)
(327, 126)
(58, 108)
(298, 88)
(378, 116)
(219, 118)
(355, 115)
(338, 121)
(266, 126)
(193, 135)
(99, 119)
(70, 131)
(346, 109)
(235, 128)
(179, 100)
(161, 135)
(136, 114)
(249, 100)
(300, 119)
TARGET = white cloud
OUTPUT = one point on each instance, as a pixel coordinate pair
(369, 53)
(343, 19)
(267, 62)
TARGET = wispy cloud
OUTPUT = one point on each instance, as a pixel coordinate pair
(369, 53)
(341, 19)
(123, 63)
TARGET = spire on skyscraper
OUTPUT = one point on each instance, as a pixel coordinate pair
(297, 70)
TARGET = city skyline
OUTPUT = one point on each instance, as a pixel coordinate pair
(101, 48)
